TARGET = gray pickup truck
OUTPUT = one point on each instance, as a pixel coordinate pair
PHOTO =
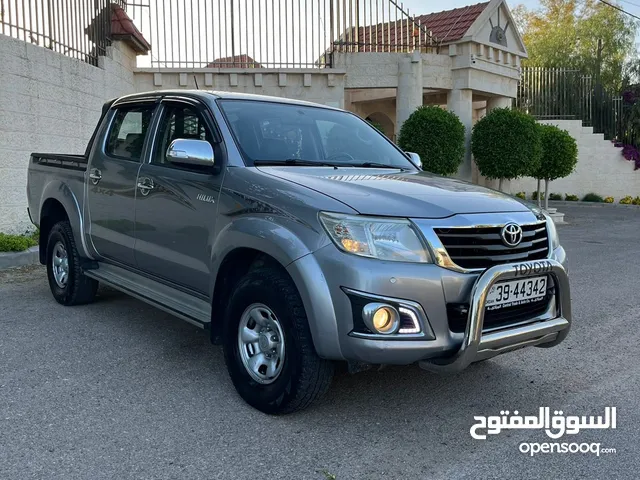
(297, 235)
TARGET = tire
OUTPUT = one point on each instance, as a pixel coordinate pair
(304, 376)
(76, 288)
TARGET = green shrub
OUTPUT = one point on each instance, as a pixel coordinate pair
(506, 144)
(636, 201)
(559, 153)
(534, 195)
(437, 135)
(571, 198)
(555, 196)
(17, 243)
(592, 197)
(627, 200)
(608, 200)
(521, 195)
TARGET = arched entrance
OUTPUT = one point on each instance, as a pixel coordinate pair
(383, 122)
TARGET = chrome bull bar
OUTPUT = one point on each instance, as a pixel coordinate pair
(547, 333)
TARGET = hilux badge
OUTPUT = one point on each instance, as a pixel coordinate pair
(205, 198)
(511, 234)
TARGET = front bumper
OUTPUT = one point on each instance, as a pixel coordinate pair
(323, 276)
(477, 346)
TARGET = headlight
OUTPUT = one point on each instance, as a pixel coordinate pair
(381, 238)
(553, 232)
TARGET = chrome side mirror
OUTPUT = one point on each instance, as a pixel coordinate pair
(189, 151)
(415, 159)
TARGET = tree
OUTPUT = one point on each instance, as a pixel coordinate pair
(506, 144)
(559, 157)
(437, 135)
(589, 36)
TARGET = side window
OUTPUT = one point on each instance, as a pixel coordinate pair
(179, 121)
(128, 131)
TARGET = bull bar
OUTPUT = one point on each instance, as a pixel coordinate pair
(477, 346)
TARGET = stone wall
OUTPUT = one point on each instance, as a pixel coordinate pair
(601, 168)
(314, 85)
(49, 103)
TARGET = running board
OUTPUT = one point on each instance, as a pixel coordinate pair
(176, 302)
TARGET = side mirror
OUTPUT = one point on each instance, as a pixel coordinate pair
(189, 151)
(415, 159)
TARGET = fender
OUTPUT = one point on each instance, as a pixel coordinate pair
(58, 190)
(274, 236)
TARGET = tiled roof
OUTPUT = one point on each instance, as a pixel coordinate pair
(237, 61)
(122, 27)
(451, 25)
(446, 27)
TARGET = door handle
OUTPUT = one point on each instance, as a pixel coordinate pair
(145, 185)
(95, 176)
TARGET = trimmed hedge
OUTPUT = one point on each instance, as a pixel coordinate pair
(593, 197)
(559, 153)
(506, 144)
(436, 135)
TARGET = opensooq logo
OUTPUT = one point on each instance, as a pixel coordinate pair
(555, 425)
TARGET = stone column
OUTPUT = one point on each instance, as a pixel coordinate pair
(460, 102)
(409, 92)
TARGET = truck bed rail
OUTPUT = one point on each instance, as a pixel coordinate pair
(70, 162)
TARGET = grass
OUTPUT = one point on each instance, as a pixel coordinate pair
(18, 243)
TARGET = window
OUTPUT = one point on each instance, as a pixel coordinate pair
(128, 132)
(276, 132)
(179, 121)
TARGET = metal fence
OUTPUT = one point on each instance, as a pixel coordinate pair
(566, 94)
(77, 28)
(272, 33)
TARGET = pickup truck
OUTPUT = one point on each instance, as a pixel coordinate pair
(297, 236)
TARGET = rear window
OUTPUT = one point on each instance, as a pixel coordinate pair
(128, 131)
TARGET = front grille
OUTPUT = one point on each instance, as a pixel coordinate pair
(482, 247)
(458, 313)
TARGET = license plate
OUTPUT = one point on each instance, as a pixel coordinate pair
(516, 292)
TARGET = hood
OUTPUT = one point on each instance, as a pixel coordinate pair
(387, 192)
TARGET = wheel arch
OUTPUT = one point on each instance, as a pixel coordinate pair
(59, 203)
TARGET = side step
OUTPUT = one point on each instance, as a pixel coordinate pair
(176, 302)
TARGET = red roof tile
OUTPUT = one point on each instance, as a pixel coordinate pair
(122, 28)
(446, 27)
(237, 61)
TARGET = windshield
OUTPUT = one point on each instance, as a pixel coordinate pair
(278, 132)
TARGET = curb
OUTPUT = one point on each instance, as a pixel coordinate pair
(563, 203)
(19, 259)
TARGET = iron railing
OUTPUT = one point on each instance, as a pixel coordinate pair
(272, 33)
(567, 94)
(77, 28)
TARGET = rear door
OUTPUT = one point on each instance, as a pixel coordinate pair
(176, 206)
(111, 187)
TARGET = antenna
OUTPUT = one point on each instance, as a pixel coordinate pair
(196, 80)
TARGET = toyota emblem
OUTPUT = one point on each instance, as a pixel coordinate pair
(511, 234)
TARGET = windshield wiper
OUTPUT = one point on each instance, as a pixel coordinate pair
(375, 165)
(296, 162)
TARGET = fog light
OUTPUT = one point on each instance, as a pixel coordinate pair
(381, 318)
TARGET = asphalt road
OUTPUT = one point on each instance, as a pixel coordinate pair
(120, 390)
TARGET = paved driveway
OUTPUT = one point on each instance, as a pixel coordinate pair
(119, 390)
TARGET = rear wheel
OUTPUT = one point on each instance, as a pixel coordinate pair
(68, 284)
(268, 347)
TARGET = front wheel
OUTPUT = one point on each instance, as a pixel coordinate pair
(268, 347)
(68, 284)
